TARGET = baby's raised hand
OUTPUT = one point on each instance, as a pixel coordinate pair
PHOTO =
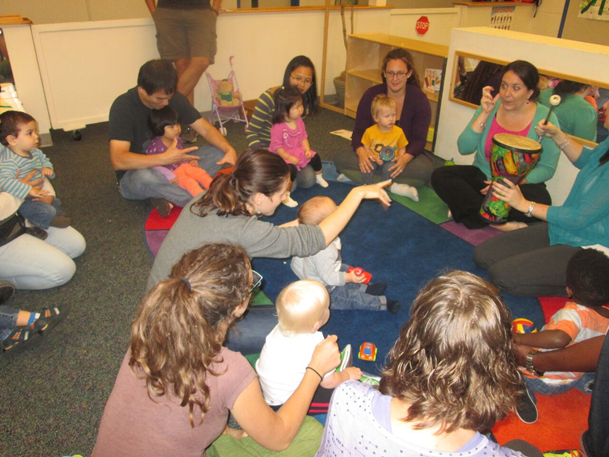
(46, 172)
(308, 153)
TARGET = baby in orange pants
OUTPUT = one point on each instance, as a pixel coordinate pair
(188, 175)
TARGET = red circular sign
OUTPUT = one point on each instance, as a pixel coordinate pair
(422, 25)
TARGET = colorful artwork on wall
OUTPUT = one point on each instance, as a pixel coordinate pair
(594, 9)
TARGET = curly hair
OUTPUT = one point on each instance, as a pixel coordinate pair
(406, 57)
(454, 362)
(181, 323)
(588, 277)
(258, 171)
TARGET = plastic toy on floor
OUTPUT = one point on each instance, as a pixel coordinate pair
(523, 325)
(226, 100)
(367, 351)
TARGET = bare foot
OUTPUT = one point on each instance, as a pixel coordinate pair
(509, 226)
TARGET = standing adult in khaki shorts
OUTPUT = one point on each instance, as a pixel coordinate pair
(186, 34)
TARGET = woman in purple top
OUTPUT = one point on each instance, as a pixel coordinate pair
(401, 83)
(451, 375)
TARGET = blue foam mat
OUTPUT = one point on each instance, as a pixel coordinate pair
(398, 247)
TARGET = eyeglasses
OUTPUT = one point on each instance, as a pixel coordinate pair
(300, 79)
(256, 281)
(392, 74)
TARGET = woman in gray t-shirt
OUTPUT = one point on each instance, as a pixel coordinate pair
(228, 213)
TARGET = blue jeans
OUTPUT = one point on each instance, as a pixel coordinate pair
(368, 178)
(417, 173)
(536, 385)
(150, 183)
(249, 335)
(40, 214)
(354, 296)
(8, 321)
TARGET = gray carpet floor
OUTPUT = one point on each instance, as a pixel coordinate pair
(52, 397)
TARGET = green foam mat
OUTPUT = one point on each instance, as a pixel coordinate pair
(259, 298)
(252, 358)
(430, 206)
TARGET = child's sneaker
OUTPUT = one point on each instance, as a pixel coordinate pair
(393, 306)
(526, 409)
(289, 202)
(377, 288)
(320, 180)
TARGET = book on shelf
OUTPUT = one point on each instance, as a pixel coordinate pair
(433, 80)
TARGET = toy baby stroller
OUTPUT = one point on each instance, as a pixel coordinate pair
(226, 100)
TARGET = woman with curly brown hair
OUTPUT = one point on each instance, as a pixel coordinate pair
(451, 374)
(177, 382)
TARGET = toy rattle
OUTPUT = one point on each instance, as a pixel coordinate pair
(554, 102)
(359, 271)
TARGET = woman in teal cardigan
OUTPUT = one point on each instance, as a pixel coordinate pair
(533, 261)
(513, 110)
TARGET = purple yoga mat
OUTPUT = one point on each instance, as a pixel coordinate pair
(154, 239)
(473, 237)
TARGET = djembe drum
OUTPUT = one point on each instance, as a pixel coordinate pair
(512, 157)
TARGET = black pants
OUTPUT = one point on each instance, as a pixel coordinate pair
(320, 402)
(459, 187)
(596, 439)
(315, 164)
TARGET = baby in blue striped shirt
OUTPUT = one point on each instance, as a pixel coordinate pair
(19, 156)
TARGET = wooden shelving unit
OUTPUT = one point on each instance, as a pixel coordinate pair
(364, 60)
